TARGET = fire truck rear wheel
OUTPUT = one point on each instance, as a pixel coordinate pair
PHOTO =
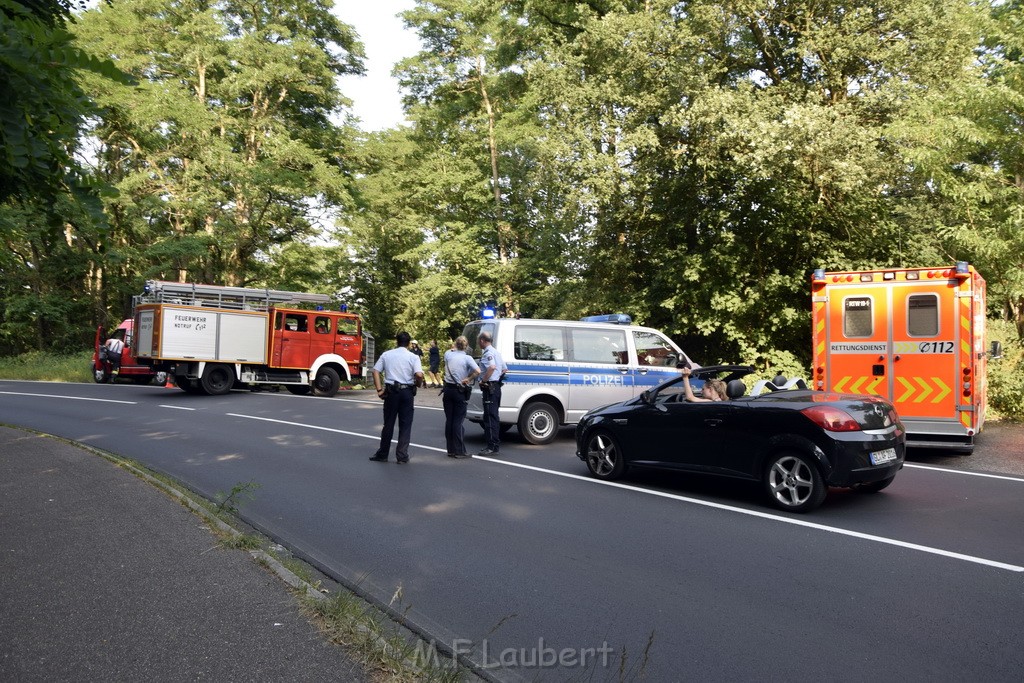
(218, 379)
(327, 382)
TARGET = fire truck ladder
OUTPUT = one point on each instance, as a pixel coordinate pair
(219, 296)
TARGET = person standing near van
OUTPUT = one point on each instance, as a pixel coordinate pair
(459, 372)
(404, 372)
(435, 364)
(492, 375)
(115, 347)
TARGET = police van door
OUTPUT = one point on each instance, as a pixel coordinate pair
(924, 344)
(600, 371)
(857, 330)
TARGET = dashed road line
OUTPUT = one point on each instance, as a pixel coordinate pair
(70, 398)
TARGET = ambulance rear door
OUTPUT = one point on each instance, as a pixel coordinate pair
(857, 331)
(925, 340)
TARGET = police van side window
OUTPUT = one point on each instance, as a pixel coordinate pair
(539, 343)
(923, 315)
(599, 346)
(653, 349)
(858, 321)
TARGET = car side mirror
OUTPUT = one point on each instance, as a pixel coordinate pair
(996, 351)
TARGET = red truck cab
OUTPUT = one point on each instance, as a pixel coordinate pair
(131, 370)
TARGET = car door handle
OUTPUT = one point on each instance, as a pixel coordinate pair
(623, 370)
(712, 422)
(642, 371)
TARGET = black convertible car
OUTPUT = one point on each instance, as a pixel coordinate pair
(794, 441)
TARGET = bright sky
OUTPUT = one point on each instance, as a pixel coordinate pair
(376, 98)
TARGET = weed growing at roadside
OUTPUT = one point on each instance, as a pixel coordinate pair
(240, 493)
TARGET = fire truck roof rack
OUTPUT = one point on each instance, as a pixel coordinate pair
(219, 296)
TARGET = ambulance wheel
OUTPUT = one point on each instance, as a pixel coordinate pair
(298, 389)
(538, 422)
(326, 382)
(875, 486)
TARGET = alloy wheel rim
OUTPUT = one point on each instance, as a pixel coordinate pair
(601, 455)
(790, 481)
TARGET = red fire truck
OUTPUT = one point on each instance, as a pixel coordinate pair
(915, 336)
(210, 337)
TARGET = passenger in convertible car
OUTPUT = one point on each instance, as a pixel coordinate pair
(714, 389)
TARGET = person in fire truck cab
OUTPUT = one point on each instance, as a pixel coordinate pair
(115, 347)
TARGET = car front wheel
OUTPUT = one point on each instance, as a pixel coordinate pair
(604, 457)
(794, 483)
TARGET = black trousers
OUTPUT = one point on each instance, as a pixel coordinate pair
(398, 404)
(454, 402)
(492, 427)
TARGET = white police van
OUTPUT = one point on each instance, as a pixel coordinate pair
(560, 369)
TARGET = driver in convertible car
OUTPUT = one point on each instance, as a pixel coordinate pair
(714, 389)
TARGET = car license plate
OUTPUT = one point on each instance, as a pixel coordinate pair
(882, 457)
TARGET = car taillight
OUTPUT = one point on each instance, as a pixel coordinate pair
(832, 419)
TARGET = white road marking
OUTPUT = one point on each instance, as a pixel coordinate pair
(765, 515)
(329, 429)
(176, 407)
(70, 398)
(968, 473)
(379, 402)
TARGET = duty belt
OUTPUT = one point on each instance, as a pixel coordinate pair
(396, 385)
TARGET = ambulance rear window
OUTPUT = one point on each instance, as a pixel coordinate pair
(923, 315)
(858, 320)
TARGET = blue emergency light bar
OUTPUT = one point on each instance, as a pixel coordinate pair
(614, 318)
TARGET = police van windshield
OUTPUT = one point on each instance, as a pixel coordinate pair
(472, 331)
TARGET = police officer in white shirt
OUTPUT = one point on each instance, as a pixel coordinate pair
(403, 372)
(492, 376)
(459, 372)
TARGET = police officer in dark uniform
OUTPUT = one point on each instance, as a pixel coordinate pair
(459, 372)
(491, 378)
(404, 372)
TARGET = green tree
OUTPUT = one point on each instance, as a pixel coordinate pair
(227, 151)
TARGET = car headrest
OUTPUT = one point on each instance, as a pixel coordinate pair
(735, 388)
(779, 380)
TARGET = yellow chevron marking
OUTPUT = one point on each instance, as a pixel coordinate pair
(965, 323)
(925, 390)
(873, 387)
(944, 389)
(905, 347)
(821, 348)
(965, 418)
(855, 387)
(906, 385)
(965, 346)
(840, 383)
(820, 327)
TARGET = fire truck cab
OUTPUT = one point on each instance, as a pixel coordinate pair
(915, 336)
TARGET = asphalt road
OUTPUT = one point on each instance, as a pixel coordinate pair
(527, 562)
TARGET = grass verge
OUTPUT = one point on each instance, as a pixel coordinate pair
(48, 367)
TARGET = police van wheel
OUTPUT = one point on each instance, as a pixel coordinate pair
(326, 382)
(538, 423)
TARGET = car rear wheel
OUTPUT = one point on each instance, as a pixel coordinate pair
(604, 457)
(875, 486)
(538, 423)
(794, 483)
